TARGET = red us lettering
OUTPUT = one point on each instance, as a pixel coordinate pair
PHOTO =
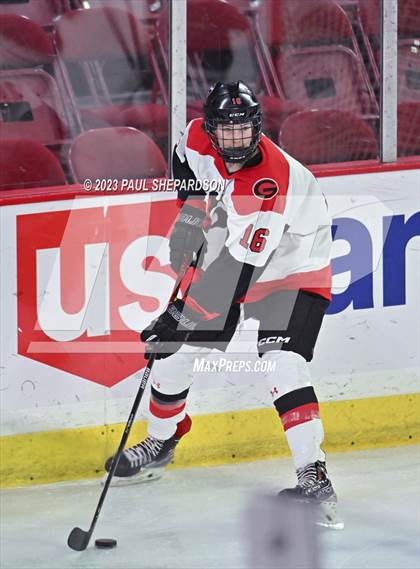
(88, 282)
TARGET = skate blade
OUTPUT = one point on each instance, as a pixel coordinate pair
(327, 516)
(146, 475)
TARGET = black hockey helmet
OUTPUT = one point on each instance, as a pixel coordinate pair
(233, 104)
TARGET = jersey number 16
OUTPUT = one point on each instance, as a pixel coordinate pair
(258, 240)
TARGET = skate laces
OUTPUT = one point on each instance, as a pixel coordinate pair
(311, 474)
(144, 452)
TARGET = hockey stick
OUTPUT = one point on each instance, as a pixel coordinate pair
(79, 539)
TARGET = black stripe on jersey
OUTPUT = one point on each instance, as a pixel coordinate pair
(182, 171)
(224, 282)
(163, 398)
(294, 399)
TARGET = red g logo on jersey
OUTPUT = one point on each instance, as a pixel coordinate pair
(265, 189)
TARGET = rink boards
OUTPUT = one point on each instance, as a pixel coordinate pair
(80, 277)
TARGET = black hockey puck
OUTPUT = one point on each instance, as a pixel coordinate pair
(105, 543)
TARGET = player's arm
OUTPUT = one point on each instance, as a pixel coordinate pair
(187, 238)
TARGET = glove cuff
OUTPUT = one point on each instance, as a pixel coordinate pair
(186, 317)
(193, 202)
(191, 216)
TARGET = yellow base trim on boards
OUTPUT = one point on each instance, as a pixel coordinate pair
(218, 438)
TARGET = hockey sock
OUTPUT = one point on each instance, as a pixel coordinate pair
(166, 411)
(299, 414)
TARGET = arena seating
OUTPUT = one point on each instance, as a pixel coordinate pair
(409, 128)
(31, 107)
(41, 11)
(104, 54)
(316, 55)
(120, 152)
(23, 43)
(318, 137)
(68, 66)
(28, 164)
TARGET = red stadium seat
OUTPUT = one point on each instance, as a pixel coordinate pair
(106, 46)
(100, 34)
(324, 78)
(306, 22)
(30, 107)
(316, 54)
(105, 56)
(27, 164)
(317, 137)
(409, 129)
(23, 43)
(121, 152)
(41, 11)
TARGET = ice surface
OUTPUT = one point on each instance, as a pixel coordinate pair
(194, 518)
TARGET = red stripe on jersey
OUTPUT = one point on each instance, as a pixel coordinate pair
(198, 139)
(300, 415)
(165, 411)
(325, 293)
(318, 281)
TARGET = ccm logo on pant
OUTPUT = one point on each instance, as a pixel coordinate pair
(273, 340)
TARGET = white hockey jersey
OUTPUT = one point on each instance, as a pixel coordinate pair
(276, 216)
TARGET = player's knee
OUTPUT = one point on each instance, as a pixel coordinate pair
(174, 374)
(285, 357)
(289, 371)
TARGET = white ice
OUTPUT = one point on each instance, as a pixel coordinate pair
(193, 518)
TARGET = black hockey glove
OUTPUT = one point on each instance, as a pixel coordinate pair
(165, 335)
(187, 238)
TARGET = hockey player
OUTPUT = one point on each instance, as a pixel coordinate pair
(264, 243)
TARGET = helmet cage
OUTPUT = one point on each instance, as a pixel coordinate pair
(235, 154)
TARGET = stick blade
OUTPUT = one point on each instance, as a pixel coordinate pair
(78, 539)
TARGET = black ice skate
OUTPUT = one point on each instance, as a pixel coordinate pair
(315, 487)
(146, 461)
